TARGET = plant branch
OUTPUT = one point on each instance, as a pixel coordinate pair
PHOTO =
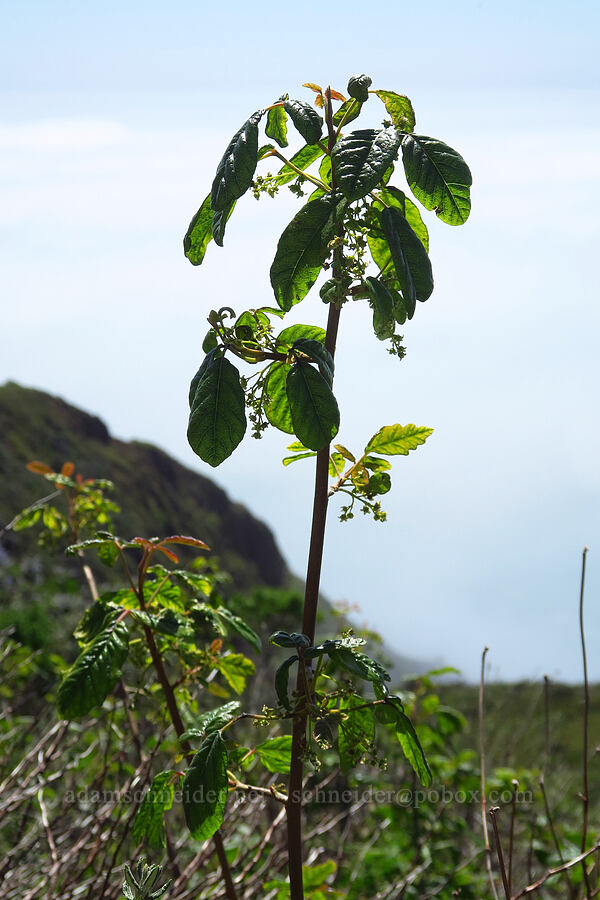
(311, 595)
(486, 836)
(499, 853)
(586, 721)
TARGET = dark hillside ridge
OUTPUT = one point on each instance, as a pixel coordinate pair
(157, 495)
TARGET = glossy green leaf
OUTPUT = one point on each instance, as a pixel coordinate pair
(236, 168)
(287, 337)
(315, 413)
(393, 196)
(384, 323)
(302, 159)
(411, 262)
(319, 354)
(361, 158)
(348, 112)
(94, 619)
(217, 419)
(358, 87)
(301, 252)
(325, 170)
(94, 673)
(398, 440)
(306, 120)
(213, 720)
(276, 754)
(438, 177)
(277, 124)
(287, 639)
(236, 668)
(205, 788)
(149, 820)
(275, 401)
(237, 624)
(399, 108)
(412, 749)
(360, 664)
(282, 677)
(220, 220)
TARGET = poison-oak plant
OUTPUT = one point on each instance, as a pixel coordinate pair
(370, 239)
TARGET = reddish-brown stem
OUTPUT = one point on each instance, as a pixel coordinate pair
(499, 854)
(311, 599)
(178, 725)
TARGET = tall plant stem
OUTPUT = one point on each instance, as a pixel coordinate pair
(486, 836)
(311, 596)
(585, 797)
(179, 727)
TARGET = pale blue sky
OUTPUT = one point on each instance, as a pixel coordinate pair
(112, 120)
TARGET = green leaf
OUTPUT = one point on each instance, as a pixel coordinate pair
(361, 158)
(356, 732)
(206, 363)
(301, 252)
(315, 413)
(319, 354)
(149, 819)
(282, 677)
(412, 749)
(236, 168)
(205, 788)
(400, 110)
(199, 233)
(358, 87)
(348, 112)
(213, 720)
(306, 120)
(398, 440)
(287, 337)
(384, 323)
(237, 624)
(210, 341)
(93, 621)
(285, 639)
(393, 196)
(236, 669)
(376, 464)
(438, 177)
(276, 754)
(360, 664)
(94, 673)
(379, 483)
(302, 159)
(218, 419)
(277, 124)
(411, 263)
(275, 400)
(220, 219)
(287, 460)
(336, 465)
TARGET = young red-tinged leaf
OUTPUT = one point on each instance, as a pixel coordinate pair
(168, 553)
(314, 87)
(67, 469)
(187, 541)
(335, 95)
(39, 468)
